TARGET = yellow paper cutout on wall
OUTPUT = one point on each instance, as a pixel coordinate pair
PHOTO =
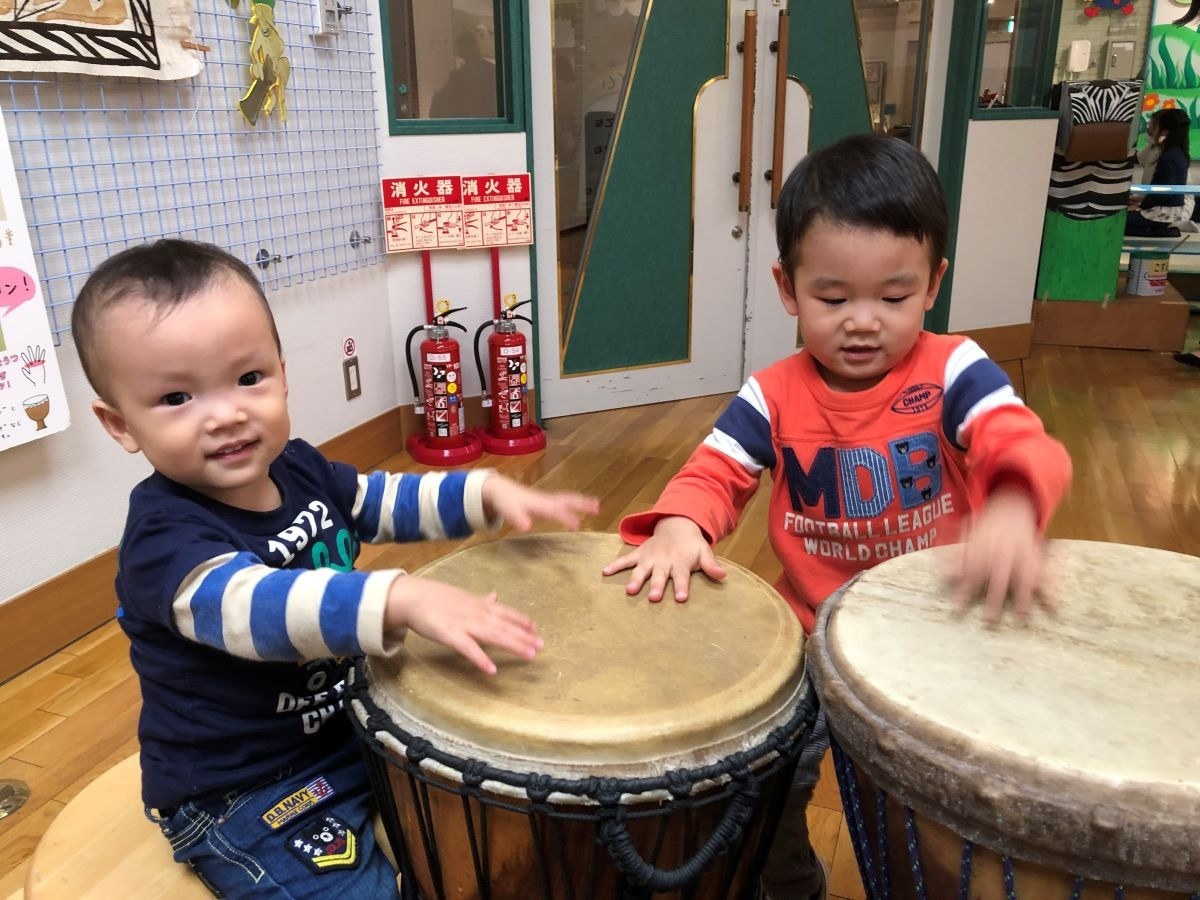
(269, 68)
(107, 12)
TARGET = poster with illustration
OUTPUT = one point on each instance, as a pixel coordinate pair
(1173, 65)
(32, 401)
(141, 38)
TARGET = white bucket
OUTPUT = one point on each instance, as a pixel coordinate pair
(1147, 273)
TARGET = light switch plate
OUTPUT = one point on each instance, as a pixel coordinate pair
(329, 18)
(350, 377)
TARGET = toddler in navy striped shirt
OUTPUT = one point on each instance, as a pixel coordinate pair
(237, 584)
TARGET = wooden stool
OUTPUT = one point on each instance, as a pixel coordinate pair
(103, 845)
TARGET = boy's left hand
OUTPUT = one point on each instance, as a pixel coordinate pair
(519, 505)
(1002, 555)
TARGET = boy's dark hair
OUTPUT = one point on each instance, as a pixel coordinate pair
(165, 274)
(863, 181)
(1174, 125)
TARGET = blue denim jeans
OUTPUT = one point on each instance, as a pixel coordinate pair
(302, 834)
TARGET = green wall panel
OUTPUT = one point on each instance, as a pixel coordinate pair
(1080, 258)
(633, 307)
(824, 56)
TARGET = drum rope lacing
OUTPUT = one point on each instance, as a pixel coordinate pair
(852, 804)
(741, 772)
(880, 889)
(914, 853)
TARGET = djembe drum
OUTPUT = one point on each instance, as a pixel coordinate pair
(645, 751)
(1057, 760)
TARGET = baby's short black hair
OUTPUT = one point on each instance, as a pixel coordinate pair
(863, 181)
(165, 274)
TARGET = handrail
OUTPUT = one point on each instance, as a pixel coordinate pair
(1165, 188)
(780, 46)
(1132, 244)
(749, 49)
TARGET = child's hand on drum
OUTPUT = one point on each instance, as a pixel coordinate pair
(519, 505)
(1002, 556)
(675, 550)
(459, 619)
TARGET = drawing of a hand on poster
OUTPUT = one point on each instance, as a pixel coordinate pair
(32, 401)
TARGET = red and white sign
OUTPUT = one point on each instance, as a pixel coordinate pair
(348, 347)
(435, 212)
(497, 210)
(423, 213)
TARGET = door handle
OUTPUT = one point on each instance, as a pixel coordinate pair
(748, 48)
(775, 174)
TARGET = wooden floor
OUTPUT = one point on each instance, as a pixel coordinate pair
(1131, 421)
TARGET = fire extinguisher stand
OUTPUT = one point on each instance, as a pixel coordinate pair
(510, 430)
(445, 440)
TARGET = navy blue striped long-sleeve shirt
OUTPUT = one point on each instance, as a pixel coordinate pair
(240, 621)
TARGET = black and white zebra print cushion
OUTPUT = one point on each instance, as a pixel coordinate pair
(1100, 114)
(1089, 190)
(1104, 101)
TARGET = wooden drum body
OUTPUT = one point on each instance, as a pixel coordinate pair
(646, 751)
(1056, 760)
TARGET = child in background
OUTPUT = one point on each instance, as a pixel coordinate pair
(880, 438)
(236, 578)
(1165, 159)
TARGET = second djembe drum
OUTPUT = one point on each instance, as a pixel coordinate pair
(646, 751)
(1055, 760)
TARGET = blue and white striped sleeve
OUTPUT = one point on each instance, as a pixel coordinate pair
(974, 385)
(235, 603)
(743, 430)
(412, 507)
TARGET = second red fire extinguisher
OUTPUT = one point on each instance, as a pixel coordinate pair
(445, 441)
(510, 430)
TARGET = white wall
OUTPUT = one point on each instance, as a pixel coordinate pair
(1005, 179)
(63, 499)
(935, 82)
(462, 276)
(1105, 28)
(885, 34)
(876, 31)
(996, 53)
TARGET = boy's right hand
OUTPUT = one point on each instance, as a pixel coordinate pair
(675, 550)
(458, 619)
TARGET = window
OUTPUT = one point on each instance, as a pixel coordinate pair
(894, 39)
(1020, 42)
(451, 65)
(593, 46)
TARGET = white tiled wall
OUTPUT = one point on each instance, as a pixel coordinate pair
(1107, 26)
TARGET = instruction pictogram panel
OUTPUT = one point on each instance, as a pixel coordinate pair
(422, 213)
(437, 212)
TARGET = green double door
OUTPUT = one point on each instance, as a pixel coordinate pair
(720, 99)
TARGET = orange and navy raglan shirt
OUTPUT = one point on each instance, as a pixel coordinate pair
(858, 478)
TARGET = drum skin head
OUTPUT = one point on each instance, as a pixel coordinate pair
(623, 686)
(1073, 741)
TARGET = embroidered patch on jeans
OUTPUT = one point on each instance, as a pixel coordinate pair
(298, 802)
(325, 844)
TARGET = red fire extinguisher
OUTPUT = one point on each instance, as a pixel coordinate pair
(510, 431)
(445, 441)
